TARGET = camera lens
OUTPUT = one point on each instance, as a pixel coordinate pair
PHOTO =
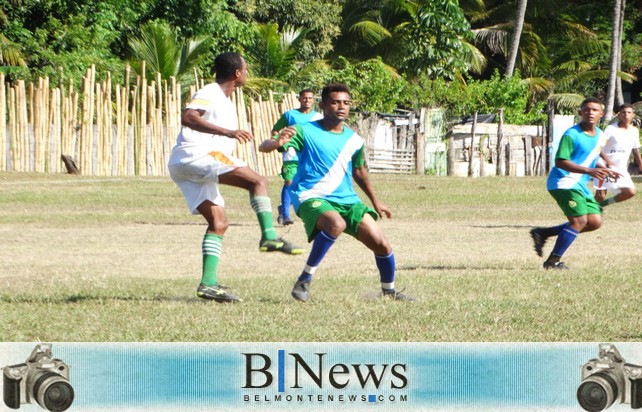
(597, 392)
(53, 392)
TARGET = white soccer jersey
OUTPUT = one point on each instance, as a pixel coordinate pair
(220, 111)
(619, 144)
(618, 148)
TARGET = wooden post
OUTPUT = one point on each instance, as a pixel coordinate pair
(548, 136)
(500, 135)
(471, 151)
(420, 160)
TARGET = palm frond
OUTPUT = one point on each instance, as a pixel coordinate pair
(474, 57)
(567, 101)
(371, 32)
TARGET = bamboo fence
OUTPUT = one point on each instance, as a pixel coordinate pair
(115, 130)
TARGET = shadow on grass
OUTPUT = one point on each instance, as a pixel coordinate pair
(451, 267)
(79, 298)
(502, 226)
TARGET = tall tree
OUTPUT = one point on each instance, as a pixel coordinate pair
(517, 34)
(616, 45)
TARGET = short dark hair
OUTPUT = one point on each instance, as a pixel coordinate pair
(625, 106)
(302, 92)
(591, 100)
(226, 65)
(332, 88)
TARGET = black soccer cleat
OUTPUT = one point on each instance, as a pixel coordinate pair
(279, 245)
(555, 266)
(301, 291)
(216, 293)
(394, 295)
(538, 240)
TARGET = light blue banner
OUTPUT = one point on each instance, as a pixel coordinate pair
(322, 376)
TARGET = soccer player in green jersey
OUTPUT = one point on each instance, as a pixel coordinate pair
(303, 114)
(330, 157)
(575, 163)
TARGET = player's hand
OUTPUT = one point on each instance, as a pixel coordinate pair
(285, 135)
(382, 210)
(242, 136)
(602, 173)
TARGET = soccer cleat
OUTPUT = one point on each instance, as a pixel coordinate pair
(538, 240)
(279, 218)
(216, 293)
(279, 245)
(287, 220)
(394, 295)
(555, 265)
(300, 291)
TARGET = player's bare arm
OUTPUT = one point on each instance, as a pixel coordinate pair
(609, 163)
(193, 118)
(274, 143)
(637, 159)
(596, 172)
(360, 176)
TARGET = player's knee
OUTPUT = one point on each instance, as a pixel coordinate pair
(218, 227)
(332, 226)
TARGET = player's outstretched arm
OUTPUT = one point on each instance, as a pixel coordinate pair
(193, 119)
(596, 172)
(360, 176)
(277, 140)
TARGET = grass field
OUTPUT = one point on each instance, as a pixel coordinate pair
(118, 259)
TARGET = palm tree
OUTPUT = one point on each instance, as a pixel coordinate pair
(415, 37)
(616, 47)
(163, 52)
(272, 56)
(517, 33)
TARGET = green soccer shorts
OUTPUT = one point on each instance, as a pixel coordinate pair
(575, 203)
(312, 209)
(288, 170)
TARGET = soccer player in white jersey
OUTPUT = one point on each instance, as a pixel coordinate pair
(330, 156)
(623, 139)
(202, 159)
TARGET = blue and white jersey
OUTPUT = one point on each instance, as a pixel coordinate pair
(581, 149)
(326, 160)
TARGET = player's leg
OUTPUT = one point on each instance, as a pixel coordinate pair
(323, 224)
(288, 171)
(286, 204)
(600, 195)
(212, 245)
(623, 189)
(370, 234)
(257, 186)
(583, 214)
(197, 181)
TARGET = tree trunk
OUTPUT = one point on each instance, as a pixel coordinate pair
(619, 96)
(616, 44)
(517, 34)
(471, 150)
(499, 171)
(450, 137)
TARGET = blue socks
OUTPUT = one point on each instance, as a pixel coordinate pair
(322, 243)
(286, 201)
(386, 266)
(564, 240)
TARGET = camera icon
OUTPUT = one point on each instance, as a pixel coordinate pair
(608, 380)
(41, 379)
